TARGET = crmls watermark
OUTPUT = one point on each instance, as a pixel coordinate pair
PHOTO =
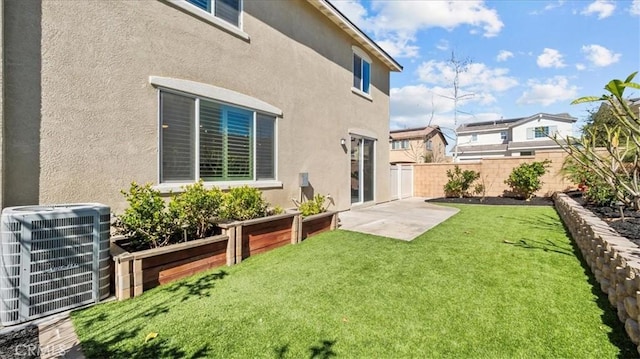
(30, 350)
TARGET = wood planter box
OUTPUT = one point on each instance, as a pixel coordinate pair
(260, 235)
(139, 271)
(318, 223)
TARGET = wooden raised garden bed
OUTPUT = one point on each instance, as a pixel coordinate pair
(318, 223)
(260, 235)
(139, 271)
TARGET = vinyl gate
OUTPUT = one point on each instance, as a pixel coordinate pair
(401, 181)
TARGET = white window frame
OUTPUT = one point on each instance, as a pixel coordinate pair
(211, 18)
(364, 57)
(503, 135)
(223, 96)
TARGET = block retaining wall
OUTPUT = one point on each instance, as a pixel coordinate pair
(613, 259)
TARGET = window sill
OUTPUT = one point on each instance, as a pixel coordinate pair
(211, 19)
(178, 187)
(361, 93)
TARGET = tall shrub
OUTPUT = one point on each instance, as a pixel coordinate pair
(459, 182)
(243, 203)
(524, 180)
(196, 208)
(147, 221)
(617, 166)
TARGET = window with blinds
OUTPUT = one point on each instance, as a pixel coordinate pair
(227, 10)
(231, 145)
(361, 74)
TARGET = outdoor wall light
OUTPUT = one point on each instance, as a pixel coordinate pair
(343, 141)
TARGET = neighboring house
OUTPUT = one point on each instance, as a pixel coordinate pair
(417, 145)
(98, 94)
(513, 137)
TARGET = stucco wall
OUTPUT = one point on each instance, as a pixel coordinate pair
(417, 151)
(98, 124)
(429, 178)
(484, 138)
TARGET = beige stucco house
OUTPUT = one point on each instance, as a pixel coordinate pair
(417, 145)
(98, 94)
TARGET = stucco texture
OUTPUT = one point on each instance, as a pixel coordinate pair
(96, 129)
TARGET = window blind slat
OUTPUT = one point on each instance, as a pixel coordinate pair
(211, 142)
(265, 147)
(203, 4)
(228, 10)
(239, 144)
(357, 71)
(178, 137)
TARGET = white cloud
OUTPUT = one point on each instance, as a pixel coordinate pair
(420, 105)
(604, 8)
(556, 89)
(504, 55)
(477, 78)
(634, 9)
(549, 7)
(581, 67)
(599, 55)
(442, 45)
(550, 58)
(394, 24)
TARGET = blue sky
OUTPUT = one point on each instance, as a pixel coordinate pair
(526, 56)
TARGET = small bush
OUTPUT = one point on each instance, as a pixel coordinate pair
(243, 203)
(314, 206)
(594, 190)
(195, 208)
(459, 182)
(146, 221)
(524, 180)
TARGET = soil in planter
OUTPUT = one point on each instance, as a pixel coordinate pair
(627, 226)
(495, 201)
(20, 343)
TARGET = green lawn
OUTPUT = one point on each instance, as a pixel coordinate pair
(458, 291)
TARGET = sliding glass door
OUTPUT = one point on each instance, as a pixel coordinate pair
(362, 170)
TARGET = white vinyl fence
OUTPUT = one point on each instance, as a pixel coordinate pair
(401, 181)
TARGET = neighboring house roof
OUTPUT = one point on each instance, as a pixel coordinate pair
(417, 133)
(511, 146)
(358, 35)
(502, 124)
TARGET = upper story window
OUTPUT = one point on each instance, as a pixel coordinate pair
(361, 71)
(474, 137)
(429, 144)
(399, 144)
(227, 10)
(541, 132)
(203, 139)
(503, 135)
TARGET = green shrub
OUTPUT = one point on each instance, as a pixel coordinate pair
(146, 221)
(243, 203)
(459, 182)
(195, 208)
(595, 191)
(314, 206)
(524, 180)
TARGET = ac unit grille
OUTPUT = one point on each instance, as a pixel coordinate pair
(61, 242)
(61, 222)
(60, 304)
(52, 259)
(61, 232)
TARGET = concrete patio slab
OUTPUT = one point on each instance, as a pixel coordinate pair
(404, 219)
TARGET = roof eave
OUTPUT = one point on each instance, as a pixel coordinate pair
(331, 12)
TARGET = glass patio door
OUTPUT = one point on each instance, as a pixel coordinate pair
(362, 170)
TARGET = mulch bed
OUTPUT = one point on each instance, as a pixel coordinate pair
(20, 343)
(628, 227)
(495, 201)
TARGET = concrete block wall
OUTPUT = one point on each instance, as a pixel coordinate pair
(614, 260)
(429, 178)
